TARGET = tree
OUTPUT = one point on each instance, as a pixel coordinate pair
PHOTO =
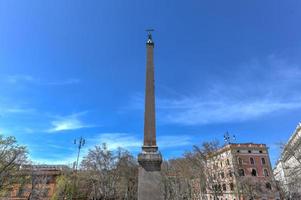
(127, 173)
(177, 178)
(12, 156)
(64, 188)
(108, 175)
(250, 188)
(191, 176)
(291, 165)
(101, 179)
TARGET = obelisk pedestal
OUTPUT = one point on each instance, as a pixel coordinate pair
(149, 176)
(150, 159)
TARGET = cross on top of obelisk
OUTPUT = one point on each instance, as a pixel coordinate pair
(149, 36)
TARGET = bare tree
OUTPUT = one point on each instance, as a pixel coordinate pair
(291, 164)
(191, 177)
(12, 156)
(127, 173)
(176, 179)
(250, 188)
(108, 174)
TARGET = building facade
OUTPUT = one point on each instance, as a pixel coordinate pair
(240, 172)
(288, 168)
(36, 182)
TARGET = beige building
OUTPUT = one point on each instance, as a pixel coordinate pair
(240, 172)
(288, 168)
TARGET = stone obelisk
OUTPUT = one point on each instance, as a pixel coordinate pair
(150, 159)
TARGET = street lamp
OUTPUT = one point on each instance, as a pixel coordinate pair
(81, 142)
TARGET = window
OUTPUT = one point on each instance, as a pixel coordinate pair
(252, 161)
(222, 175)
(240, 161)
(230, 173)
(224, 187)
(260, 151)
(231, 186)
(254, 172)
(263, 161)
(268, 185)
(237, 151)
(214, 187)
(228, 162)
(265, 172)
(49, 179)
(221, 164)
(249, 151)
(241, 172)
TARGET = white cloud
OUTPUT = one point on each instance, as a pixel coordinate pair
(64, 82)
(24, 78)
(16, 110)
(252, 90)
(70, 122)
(174, 141)
(115, 140)
(60, 160)
(196, 111)
(13, 79)
(131, 142)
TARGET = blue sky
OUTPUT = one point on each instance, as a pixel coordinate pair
(77, 68)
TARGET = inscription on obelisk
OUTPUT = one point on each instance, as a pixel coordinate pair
(150, 159)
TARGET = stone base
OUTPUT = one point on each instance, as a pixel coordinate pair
(150, 186)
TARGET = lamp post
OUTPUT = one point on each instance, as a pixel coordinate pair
(81, 142)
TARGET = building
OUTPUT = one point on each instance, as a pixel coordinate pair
(240, 172)
(287, 171)
(37, 181)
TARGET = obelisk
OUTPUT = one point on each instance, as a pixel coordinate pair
(150, 159)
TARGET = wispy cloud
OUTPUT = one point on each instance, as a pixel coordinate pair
(132, 142)
(70, 122)
(16, 110)
(171, 141)
(254, 89)
(195, 111)
(115, 140)
(17, 78)
(28, 79)
(64, 82)
(54, 160)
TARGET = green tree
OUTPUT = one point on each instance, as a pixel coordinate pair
(64, 188)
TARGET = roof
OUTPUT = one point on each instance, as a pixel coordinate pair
(237, 145)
